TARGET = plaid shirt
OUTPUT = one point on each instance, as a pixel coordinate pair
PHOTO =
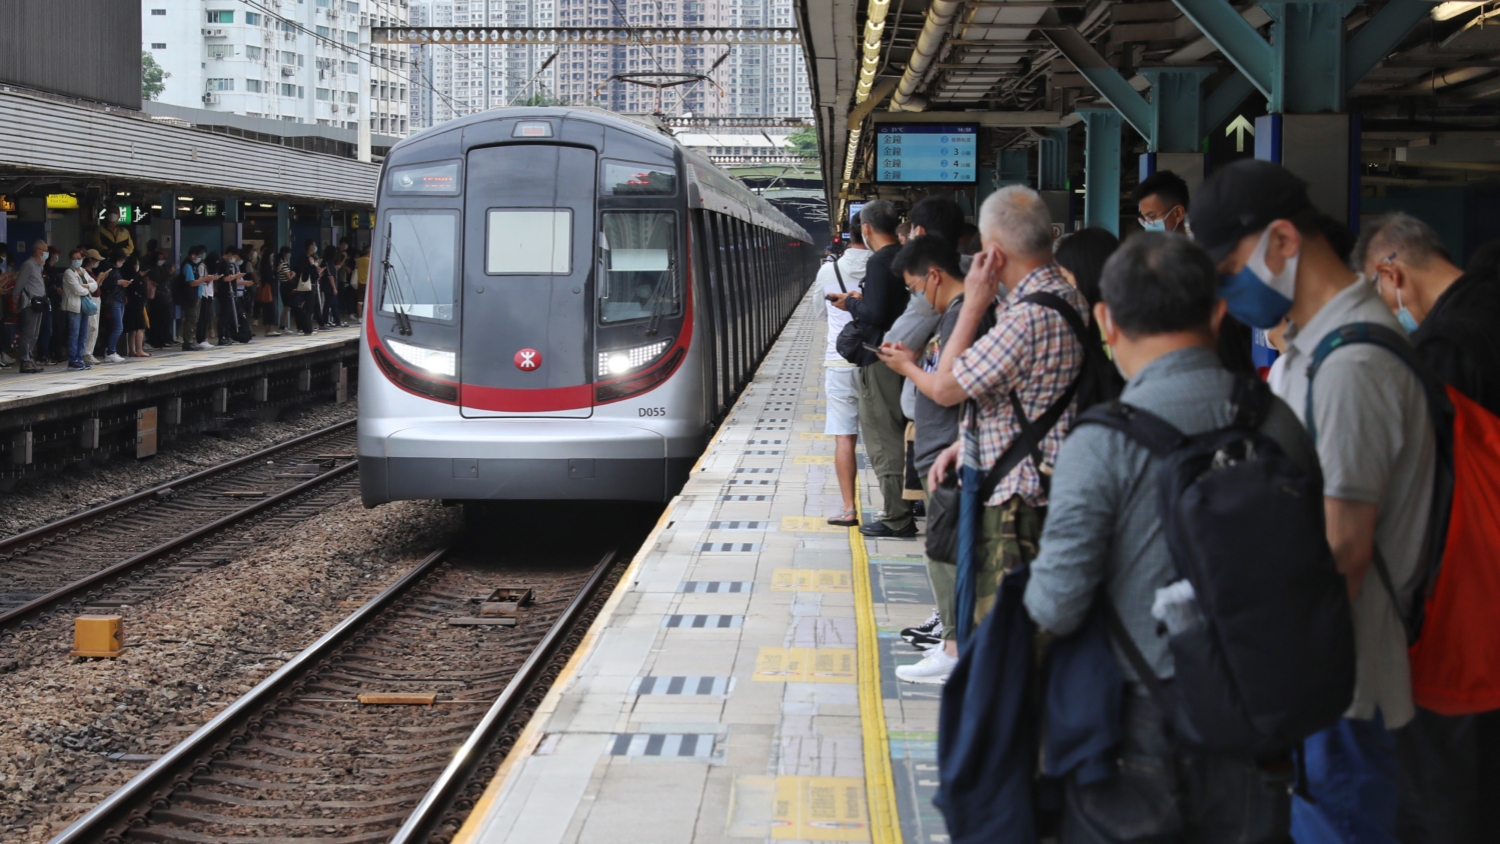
(1034, 352)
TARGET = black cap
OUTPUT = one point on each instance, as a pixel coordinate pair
(1242, 199)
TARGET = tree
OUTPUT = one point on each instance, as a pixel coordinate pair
(153, 78)
(804, 142)
(542, 98)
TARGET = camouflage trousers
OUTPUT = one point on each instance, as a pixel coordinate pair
(1009, 537)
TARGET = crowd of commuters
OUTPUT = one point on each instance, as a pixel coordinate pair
(982, 335)
(106, 303)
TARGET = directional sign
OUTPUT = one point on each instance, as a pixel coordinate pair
(1238, 127)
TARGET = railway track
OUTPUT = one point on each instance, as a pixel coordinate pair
(301, 758)
(120, 552)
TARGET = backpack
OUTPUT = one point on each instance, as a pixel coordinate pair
(1267, 657)
(1454, 643)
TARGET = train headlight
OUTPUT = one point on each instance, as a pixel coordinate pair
(621, 361)
(432, 360)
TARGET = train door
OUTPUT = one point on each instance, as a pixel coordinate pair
(528, 247)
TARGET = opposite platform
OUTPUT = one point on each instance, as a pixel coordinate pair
(739, 683)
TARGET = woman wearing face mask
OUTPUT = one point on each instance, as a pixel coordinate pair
(92, 266)
(305, 291)
(333, 263)
(113, 285)
(225, 290)
(77, 286)
(135, 308)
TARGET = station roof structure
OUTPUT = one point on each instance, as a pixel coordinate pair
(1424, 77)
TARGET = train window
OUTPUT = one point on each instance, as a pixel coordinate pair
(420, 277)
(534, 241)
(436, 178)
(622, 178)
(638, 265)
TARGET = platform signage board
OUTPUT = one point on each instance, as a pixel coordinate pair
(922, 153)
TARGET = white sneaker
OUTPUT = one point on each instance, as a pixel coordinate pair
(933, 669)
(203, 347)
(91, 360)
(114, 358)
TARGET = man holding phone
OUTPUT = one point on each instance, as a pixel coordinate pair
(876, 306)
(842, 274)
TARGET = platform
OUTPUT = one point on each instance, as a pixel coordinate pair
(58, 391)
(739, 683)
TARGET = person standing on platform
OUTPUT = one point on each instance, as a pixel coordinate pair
(1027, 362)
(31, 297)
(110, 235)
(1378, 451)
(77, 286)
(135, 308)
(226, 289)
(876, 307)
(195, 279)
(93, 267)
(159, 307)
(1450, 764)
(361, 282)
(929, 266)
(837, 276)
(112, 286)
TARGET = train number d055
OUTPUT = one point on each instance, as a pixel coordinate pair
(651, 411)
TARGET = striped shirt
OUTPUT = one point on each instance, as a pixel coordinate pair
(1034, 352)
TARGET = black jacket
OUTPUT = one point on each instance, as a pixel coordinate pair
(1460, 338)
(884, 295)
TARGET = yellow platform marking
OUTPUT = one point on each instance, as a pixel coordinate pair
(812, 524)
(820, 809)
(813, 460)
(805, 665)
(814, 417)
(880, 782)
(810, 580)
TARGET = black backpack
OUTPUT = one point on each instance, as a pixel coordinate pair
(1271, 660)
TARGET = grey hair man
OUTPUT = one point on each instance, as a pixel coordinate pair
(32, 291)
(1026, 361)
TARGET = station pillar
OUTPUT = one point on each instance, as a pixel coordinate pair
(1176, 118)
(1101, 164)
(1052, 174)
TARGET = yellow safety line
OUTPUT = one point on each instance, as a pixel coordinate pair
(531, 736)
(880, 783)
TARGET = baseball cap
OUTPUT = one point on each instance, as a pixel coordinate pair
(93, 253)
(1242, 199)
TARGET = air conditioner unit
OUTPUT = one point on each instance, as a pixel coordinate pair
(210, 99)
(215, 33)
(288, 70)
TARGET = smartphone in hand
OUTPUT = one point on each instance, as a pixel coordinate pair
(869, 348)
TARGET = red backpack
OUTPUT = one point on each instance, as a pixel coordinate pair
(1453, 636)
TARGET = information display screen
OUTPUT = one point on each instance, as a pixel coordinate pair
(907, 153)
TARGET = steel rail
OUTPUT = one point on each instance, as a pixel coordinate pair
(77, 587)
(108, 507)
(110, 821)
(435, 803)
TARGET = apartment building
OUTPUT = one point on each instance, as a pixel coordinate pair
(291, 60)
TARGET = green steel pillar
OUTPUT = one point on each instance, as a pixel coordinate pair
(1101, 166)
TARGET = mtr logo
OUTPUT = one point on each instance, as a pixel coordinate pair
(528, 360)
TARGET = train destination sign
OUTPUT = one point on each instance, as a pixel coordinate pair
(909, 153)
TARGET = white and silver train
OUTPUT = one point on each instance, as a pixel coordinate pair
(563, 303)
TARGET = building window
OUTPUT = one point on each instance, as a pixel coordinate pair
(253, 18)
(322, 93)
(288, 89)
(352, 38)
(352, 67)
(221, 17)
(301, 93)
(221, 51)
(253, 86)
(352, 6)
(162, 12)
(252, 53)
(322, 31)
(322, 4)
(288, 57)
(158, 45)
(221, 84)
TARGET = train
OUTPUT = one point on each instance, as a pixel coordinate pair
(563, 304)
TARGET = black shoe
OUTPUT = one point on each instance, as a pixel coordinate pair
(919, 510)
(880, 531)
(933, 623)
(187, 348)
(925, 641)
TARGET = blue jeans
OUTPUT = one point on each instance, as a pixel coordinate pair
(1351, 778)
(116, 327)
(77, 333)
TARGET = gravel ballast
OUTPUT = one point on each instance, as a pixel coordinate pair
(191, 650)
(38, 500)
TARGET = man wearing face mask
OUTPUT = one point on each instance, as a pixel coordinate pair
(1162, 200)
(1375, 441)
(1447, 762)
(929, 266)
(110, 235)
